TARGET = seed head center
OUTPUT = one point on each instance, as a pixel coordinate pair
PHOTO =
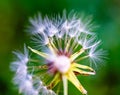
(62, 63)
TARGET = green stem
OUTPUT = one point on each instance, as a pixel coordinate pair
(65, 85)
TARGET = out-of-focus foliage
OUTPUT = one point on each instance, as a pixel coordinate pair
(14, 16)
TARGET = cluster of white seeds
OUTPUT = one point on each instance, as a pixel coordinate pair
(25, 82)
(67, 34)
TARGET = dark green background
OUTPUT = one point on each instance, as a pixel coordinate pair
(106, 13)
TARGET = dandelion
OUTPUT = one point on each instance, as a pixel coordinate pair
(61, 45)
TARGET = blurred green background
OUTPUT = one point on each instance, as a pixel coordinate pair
(106, 13)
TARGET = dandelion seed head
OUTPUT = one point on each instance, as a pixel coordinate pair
(62, 42)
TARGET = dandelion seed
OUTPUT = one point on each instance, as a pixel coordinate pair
(64, 42)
